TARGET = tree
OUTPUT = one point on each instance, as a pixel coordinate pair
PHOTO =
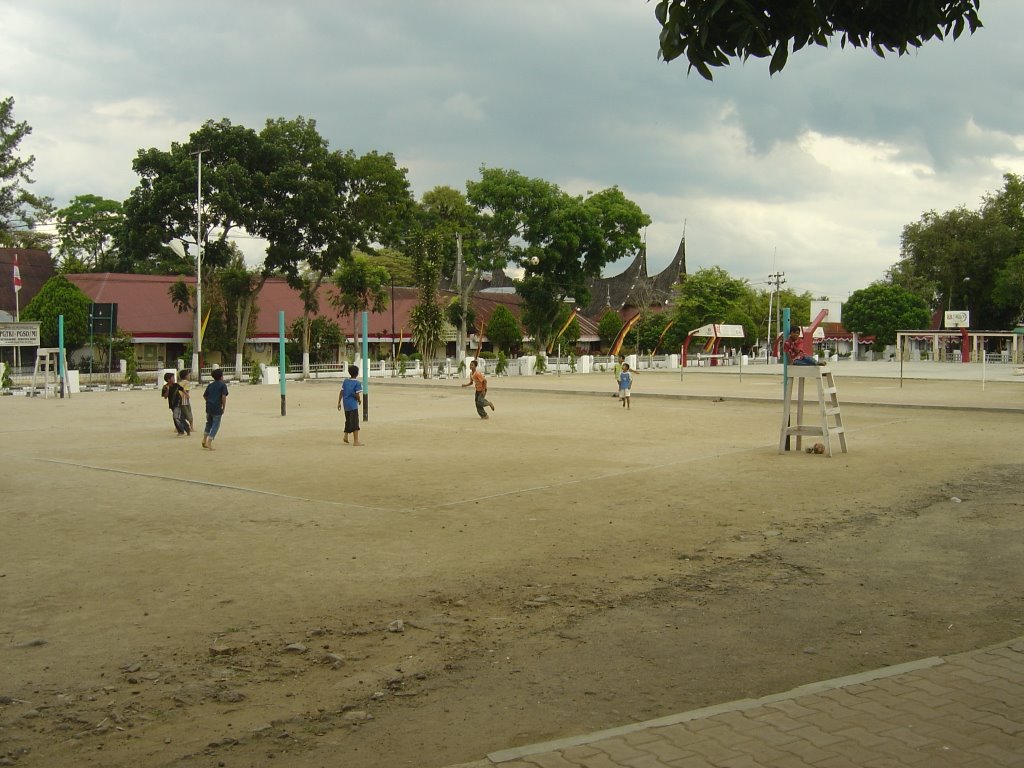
(1008, 290)
(466, 251)
(283, 184)
(707, 296)
(361, 287)
(608, 328)
(398, 265)
(427, 317)
(880, 310)
(324, 338)
(503, 330)
(162, 207)
(963, 259)
(86, 232)
(568, 333)
(20, 209)
(59, 296)
(711, 33)
(321, 206)
(240, 286)
(559, 241)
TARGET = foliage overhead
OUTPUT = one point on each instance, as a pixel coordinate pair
(20, 209)
(712, 33)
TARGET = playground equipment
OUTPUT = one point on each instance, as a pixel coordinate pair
(713, 333)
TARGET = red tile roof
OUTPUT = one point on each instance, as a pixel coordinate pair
(145, 309)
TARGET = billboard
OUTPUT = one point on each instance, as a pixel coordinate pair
(19, 334)
(835, 311)
(957, 318)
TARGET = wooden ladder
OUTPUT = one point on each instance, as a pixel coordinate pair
(49, 361)
(830, 416)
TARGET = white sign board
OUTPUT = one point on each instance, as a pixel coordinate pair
(835, 311)
(957, 318)
(19, 334)
(715, 330)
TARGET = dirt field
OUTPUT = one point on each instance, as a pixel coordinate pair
(457, 586)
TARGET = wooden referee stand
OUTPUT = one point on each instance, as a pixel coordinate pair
(50, 361)
(828, 419)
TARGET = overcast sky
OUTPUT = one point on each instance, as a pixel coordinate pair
(812, 172)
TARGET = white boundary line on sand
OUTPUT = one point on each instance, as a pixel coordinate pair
(225, 486)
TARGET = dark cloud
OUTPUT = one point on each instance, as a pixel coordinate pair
(813, 171)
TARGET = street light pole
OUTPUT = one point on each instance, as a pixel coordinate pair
(197, 341)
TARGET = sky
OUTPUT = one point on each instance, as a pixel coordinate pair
(812, 172)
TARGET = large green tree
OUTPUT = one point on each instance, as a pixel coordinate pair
(468, 252)
(708, 296)
(20, 208)
(503, 330)
(321, 205)
(558, 240)
(712, 295)
(1008, 288)
(86, 231)
(59, 296)
(312, 205)
(882, 309)
(361, 286)
(712, 33)
(163, 206)
(965, 259)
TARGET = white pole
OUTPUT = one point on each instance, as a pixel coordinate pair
(197, 346)
(17, 319)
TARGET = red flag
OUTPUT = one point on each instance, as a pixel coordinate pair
(17, 275)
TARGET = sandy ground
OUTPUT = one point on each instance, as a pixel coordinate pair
(459, 586)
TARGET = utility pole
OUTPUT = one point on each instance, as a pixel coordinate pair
(778, 279)
(460, 353)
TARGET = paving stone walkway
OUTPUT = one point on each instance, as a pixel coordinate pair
(963, 711)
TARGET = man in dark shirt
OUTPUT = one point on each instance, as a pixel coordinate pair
(216, 397)
(172, 391)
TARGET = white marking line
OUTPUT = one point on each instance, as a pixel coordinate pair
(208, 484)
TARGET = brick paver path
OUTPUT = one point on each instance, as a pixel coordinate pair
(964, 711)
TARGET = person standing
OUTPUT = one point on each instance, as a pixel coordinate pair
(625, 384)
(186, 399)
(350, 398)
(216, 397)
(479, 382)
(172, 391)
